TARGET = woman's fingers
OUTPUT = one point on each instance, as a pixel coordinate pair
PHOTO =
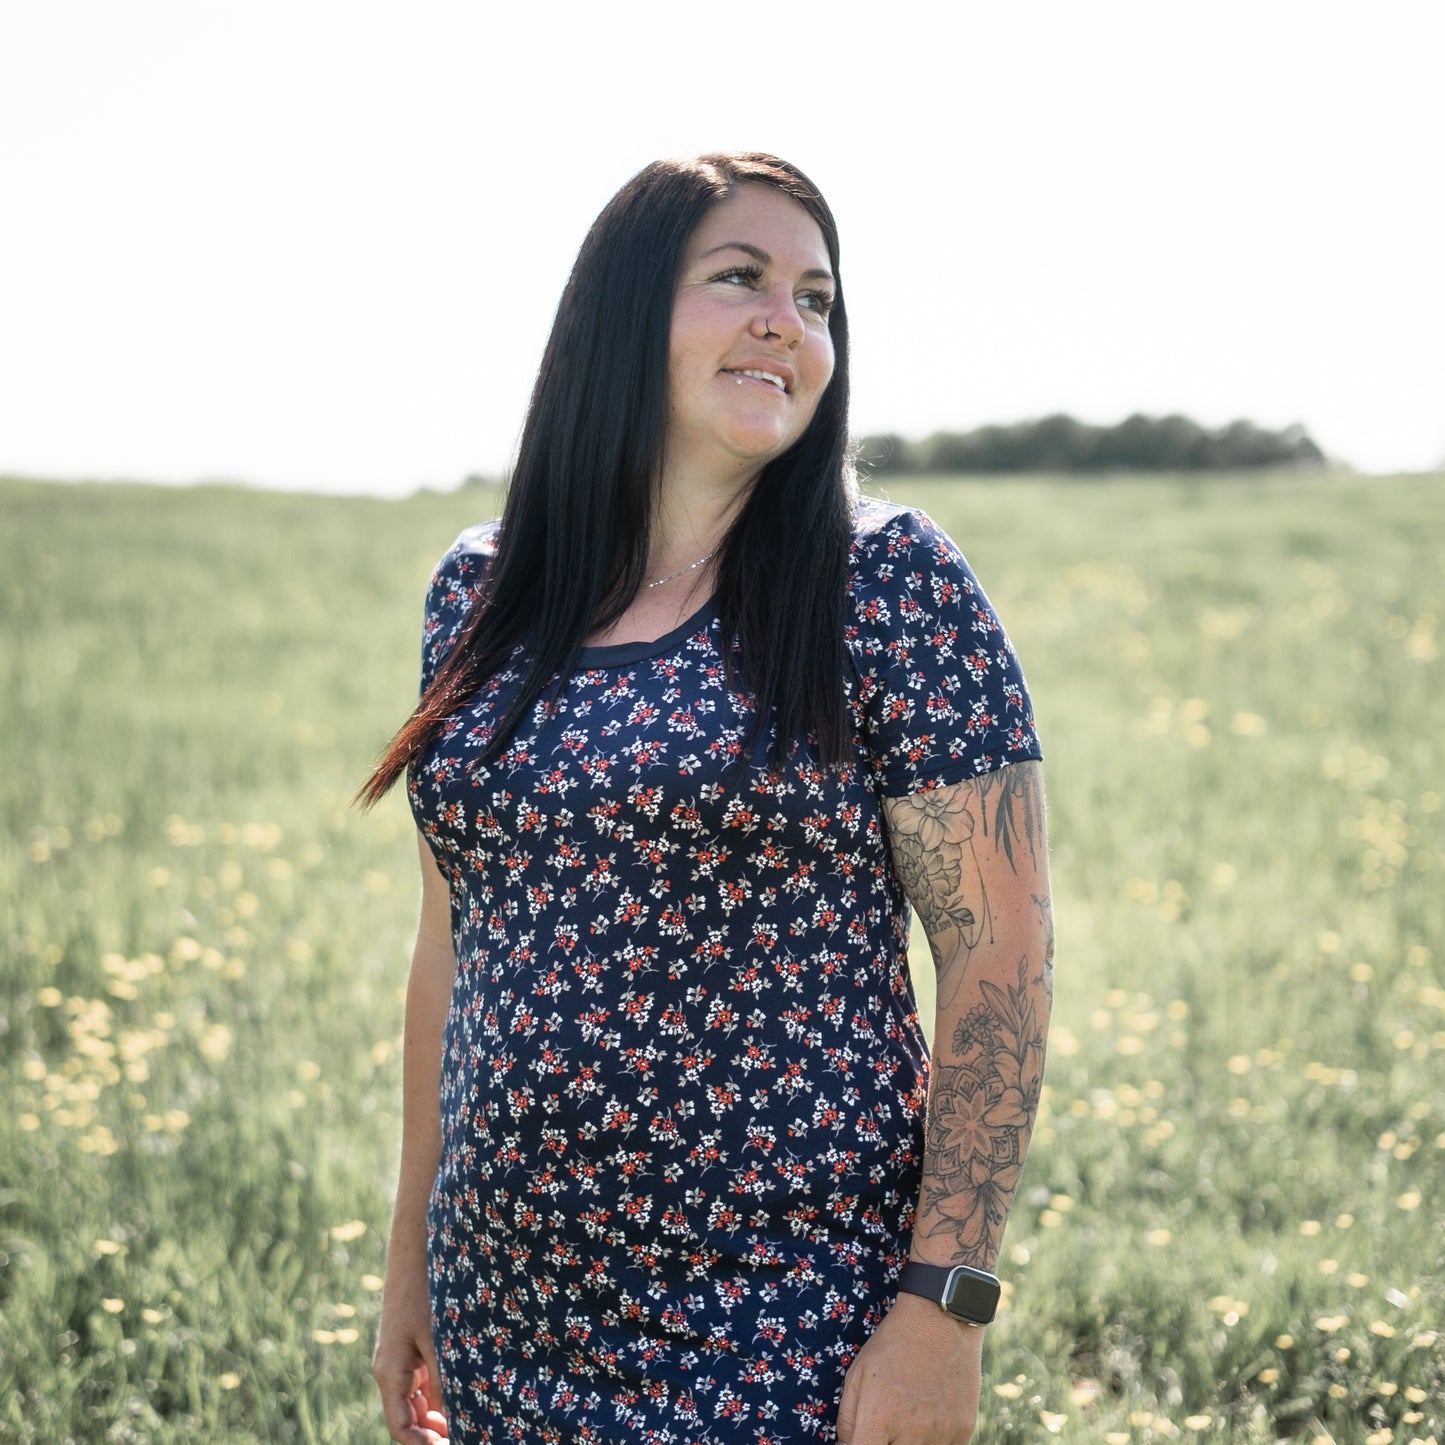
(431, 1424)
(413, 1415)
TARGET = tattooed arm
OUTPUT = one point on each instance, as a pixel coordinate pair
(973, 859)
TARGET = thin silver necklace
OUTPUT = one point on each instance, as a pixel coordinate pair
(673, 576)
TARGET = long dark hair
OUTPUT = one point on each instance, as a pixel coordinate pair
(573, 545)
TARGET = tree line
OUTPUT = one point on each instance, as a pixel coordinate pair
(1061, 444)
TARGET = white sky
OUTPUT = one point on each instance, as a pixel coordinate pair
(318, 243)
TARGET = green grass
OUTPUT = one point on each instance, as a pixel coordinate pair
(1232, 1224)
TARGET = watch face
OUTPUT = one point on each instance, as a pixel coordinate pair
(971, 1295)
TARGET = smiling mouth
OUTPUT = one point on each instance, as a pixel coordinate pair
(769, 376)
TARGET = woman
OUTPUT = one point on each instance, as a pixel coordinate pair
(694, 722)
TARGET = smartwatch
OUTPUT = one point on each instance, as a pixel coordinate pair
(969, 1295)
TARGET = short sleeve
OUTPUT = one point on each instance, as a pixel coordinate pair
(455, 587)
(938, 693)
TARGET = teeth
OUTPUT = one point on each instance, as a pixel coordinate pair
(777, 381)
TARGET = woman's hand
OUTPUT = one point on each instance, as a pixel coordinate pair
(405, 1368)
(915, 1382)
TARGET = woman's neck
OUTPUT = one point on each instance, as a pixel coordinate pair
(688, 525)
(689, 522)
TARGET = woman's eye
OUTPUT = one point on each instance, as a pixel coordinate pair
(819, 301)
(740, 275)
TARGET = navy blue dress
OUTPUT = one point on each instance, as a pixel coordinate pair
(683, 1080)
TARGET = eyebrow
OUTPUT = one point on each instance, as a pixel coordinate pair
(758, 254)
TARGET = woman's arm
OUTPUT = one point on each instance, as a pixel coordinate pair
(973, 858)
(405, 1363)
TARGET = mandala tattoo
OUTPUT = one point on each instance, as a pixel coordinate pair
(981, 1108)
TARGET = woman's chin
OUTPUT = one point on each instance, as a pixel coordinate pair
(760, 444)
(743, 443)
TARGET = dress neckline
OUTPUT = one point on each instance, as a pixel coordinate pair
(620, 654)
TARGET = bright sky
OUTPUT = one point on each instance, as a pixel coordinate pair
(318, 243)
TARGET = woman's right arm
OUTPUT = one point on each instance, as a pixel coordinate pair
(405, 1363)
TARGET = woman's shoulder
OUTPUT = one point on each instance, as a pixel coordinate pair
(907, 573)
(456, 580)
(888, 536)
(466, 560)
(941, 693)
(478, 540)
(456, 583)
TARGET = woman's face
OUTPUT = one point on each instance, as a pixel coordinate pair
(750, 354)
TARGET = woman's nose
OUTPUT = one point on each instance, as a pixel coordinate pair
(777, 315)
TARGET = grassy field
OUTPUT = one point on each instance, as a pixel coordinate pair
(1233, 1221)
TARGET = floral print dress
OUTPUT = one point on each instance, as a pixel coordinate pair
(683, 1078)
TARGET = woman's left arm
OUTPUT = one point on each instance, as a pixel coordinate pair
(973, 859)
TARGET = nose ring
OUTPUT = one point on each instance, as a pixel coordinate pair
(768, 326)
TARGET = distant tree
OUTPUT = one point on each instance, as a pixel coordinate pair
(1178, 443)
(1302, 446)
(1242, 444)
(1059, 443)
(1131, 444)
